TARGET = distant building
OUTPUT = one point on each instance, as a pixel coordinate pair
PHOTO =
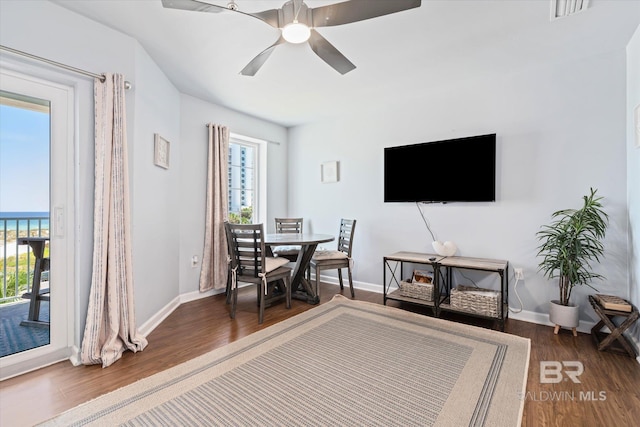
(241, 176)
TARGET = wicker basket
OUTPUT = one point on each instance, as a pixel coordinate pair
(476, 300)
(423, 291)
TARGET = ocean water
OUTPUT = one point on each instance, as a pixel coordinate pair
(24, 220)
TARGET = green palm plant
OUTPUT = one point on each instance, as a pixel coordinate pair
(571, 243)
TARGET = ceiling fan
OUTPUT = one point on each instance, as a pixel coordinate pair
(298, 24)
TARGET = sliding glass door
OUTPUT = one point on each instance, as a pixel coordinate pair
(36, 221)
(24, 220)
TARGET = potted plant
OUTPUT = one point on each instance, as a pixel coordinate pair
(569, 244)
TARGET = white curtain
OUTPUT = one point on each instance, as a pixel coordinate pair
(111, 328)
(214, 261)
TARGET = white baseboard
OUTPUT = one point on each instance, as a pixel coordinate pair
(195, 295)
(525, 316)
(356, 285)
(543, 319)
(9, 368)
(72, 354)
(147, 327)
(75, 356)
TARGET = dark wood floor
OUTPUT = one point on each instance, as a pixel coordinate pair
(608, 393)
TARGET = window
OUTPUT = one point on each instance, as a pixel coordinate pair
(246, 179)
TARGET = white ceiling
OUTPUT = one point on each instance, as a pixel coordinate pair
(406, 54)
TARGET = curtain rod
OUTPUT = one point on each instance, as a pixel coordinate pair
(270, 142)
(101, 77)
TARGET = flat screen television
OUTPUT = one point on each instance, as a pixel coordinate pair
(453, 170)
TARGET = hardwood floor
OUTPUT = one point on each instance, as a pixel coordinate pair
(608, 393)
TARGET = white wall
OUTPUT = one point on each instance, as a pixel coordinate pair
(167, 205)
(633, 172)
(195, 114)
(44, 29)
(560, 130)
(155, 192)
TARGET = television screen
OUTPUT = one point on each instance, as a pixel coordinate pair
(454, 170)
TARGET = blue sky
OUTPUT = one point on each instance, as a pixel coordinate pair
(24, 160)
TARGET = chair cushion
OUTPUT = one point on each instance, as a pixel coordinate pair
(285, 250)
(272, 263)
(320, 255)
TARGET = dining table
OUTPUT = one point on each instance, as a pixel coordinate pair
(301, 288)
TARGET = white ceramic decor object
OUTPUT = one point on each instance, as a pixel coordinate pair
(444, 249)
(563, 315)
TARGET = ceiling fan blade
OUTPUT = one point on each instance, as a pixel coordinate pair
(268, 16)
(329, 54)
(252, 67)
(193, 5)
(358, 10)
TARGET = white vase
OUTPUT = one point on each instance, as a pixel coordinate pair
(444, 249)
(564, 315)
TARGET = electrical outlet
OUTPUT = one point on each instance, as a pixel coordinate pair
(519, 273)
(194, 261)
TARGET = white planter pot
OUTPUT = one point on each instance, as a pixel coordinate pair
(564, 315)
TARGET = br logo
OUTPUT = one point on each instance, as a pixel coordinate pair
(552, 371)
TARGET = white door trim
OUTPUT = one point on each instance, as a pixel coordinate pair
(62, 229)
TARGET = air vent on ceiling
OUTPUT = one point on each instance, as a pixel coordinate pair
(562, 8)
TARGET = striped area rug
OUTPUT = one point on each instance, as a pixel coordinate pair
(342, 363)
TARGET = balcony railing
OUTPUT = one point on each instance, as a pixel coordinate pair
(17, 261)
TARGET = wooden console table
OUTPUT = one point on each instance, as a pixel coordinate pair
(398, 259)
(443, 281)
(501, 267)
(36, 295)
(608, 341)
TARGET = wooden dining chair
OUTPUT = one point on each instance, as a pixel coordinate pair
(288, 225)
(228, 290)
(338, 259)
(250, 264)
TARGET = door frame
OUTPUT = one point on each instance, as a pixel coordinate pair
(63, 232)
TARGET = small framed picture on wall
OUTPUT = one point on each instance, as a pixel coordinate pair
(161, 151)
(329, 172)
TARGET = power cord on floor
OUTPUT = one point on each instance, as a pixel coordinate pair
(515, 290)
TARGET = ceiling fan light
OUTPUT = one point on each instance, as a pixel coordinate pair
(296, 32)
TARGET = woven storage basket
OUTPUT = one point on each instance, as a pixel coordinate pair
(417, 290)
(476, 300)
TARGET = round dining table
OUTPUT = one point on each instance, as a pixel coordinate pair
(301, 288)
